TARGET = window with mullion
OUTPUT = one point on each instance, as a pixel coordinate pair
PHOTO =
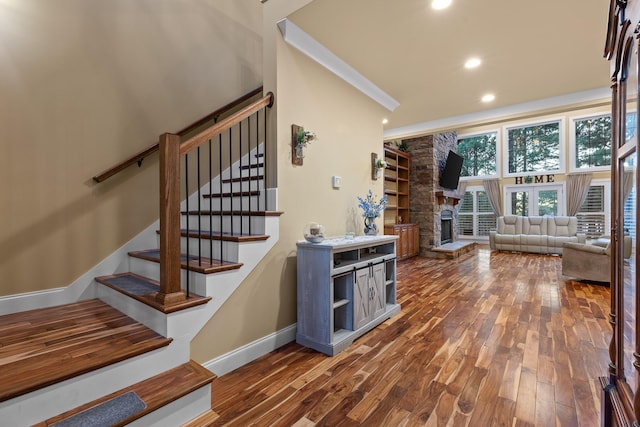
(480, 155)
(534, 148)
(592, 216)
(475, 215)
(592, 142)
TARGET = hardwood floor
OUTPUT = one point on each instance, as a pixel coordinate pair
(42, 347)
(486, 339)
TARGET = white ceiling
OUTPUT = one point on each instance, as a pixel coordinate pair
(531, 50)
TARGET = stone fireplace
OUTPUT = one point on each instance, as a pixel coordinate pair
(433, 208)
(446, 226)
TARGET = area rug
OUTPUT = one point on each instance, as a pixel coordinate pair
(107, 413)
(133, 285)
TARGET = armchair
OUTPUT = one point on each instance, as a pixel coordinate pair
(586, 261)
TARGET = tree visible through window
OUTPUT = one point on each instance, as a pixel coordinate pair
(631, 126)
(534, 148)
(593, 142)
(479, 153)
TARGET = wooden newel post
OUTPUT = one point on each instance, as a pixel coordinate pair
(170, 289)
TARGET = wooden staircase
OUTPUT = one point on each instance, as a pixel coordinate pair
(49, 355)
(131, 342)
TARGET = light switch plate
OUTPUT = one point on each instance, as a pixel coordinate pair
(337, 181)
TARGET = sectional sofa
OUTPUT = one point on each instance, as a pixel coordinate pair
(537, 234)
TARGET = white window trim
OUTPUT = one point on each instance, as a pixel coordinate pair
(498, 155)
(562, 131)
(475, 238)
(607, 200)
(572, 142)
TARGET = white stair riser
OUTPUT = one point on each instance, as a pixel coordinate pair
(50, 401)
(151, 270)
(240, 223)
(245, 203)
(236, 172)
(228, 252)
(253, 185)
(179, 411)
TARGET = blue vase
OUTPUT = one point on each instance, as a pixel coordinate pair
(370, 227)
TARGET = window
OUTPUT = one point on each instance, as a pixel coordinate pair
(591, 141)
(526, 200)
(592, 137)
(592, 216)
(475, 217)
(480, 154)
(631, 126)
(534, 148)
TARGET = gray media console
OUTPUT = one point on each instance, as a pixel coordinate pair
(346, 287)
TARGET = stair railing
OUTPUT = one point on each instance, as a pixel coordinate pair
(212, 117)
(243, 131)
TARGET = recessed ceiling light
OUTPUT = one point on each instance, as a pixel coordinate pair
(440, 4)
(488, 97)
(385, 121)
(472, 63)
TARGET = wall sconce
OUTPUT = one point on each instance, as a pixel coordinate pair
(377, 166)
(300, 138)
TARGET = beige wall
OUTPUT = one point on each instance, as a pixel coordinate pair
(86, 84)
(348, 126)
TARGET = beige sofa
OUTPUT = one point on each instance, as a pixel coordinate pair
(537, 234)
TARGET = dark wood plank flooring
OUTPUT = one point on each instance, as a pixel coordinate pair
(486, 339)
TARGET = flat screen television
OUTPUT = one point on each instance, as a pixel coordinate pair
(450, 174)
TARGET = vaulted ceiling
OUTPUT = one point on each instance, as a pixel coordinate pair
(530, 50)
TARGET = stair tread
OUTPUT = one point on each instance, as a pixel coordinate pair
(243, 179)
(206, 266)
(233, 212)
(225, 236)
(252, 166)
(234, 194)
(229, 237)
(155, 392)
(46, 346)
(144, 289)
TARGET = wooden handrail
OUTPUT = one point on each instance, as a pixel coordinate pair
(171, 150)
(225, 124)
(139, 157)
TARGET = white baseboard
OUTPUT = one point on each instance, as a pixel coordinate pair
(82, 287)
(241, 356)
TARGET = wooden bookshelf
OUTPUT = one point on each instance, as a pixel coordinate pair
(396, 186)
(397, 219)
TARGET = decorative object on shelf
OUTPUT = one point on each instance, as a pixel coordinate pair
(377, 166)
(349, 235)
(314, 232)
(370, 211)
(300, 138)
